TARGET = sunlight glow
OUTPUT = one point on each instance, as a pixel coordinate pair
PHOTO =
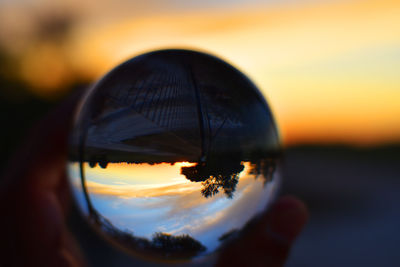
(329, 69)
(147, 207)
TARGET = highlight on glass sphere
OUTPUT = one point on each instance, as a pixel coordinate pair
(173, 153)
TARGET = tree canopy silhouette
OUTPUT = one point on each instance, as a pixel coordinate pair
(215, 175)
(264, 168)
(161, 245)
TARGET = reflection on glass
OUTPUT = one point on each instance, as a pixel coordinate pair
(172, 152)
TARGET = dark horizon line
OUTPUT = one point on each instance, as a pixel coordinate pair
(343, 145)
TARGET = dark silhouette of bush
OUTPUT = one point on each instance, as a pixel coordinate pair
(181, 244)
(162, 245)
(215, 175)
(265, 168)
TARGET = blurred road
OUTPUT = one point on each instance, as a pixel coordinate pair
(353, 197)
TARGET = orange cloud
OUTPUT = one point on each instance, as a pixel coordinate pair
(142, 191)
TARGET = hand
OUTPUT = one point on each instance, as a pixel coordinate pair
(268, 242)
(34, 197)
(34, 201)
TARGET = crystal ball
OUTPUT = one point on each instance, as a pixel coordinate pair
(172, 154)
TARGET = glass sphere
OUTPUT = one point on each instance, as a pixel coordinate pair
(172, 154)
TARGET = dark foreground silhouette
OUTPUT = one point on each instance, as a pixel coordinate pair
(161, 245)
(221, 175)
(224, 175)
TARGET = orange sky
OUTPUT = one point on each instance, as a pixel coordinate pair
(330, 71)
(145, 180)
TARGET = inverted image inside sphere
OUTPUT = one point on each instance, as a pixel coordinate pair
(174, 152)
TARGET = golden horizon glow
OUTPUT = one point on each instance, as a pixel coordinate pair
(142, 191)
(173, 208)
(143, 174)
(329, 70)
(322, 67)
(144, 180)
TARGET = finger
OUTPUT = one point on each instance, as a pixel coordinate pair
(71, 252)
(267, 241)
(35, 195)
(286, 219)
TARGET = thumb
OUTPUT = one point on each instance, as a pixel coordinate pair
(267, 241)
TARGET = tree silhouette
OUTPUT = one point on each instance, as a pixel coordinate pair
(170, 244)
(92, 163)
(264, 168)
(212, 185)
(161, 245)
(215, 175)
(103, 164)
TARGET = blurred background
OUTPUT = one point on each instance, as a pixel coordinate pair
(330, 71)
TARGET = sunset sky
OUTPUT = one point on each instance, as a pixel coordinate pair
(145, 199)
(330, 70)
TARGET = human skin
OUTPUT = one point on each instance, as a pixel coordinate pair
(35, 201)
